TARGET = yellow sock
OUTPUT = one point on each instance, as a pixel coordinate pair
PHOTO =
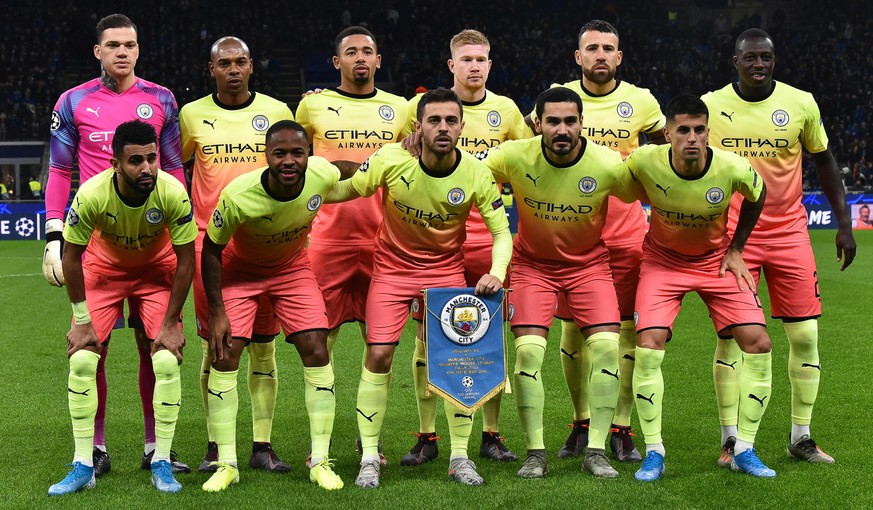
(460, 428)
(649, 392)
(223, 405)
(426, 401)
(726, 365)
(491, 413)
(167, 401)
(804, 368)
(82, 400)
(263, 381)
(529, 395)
(603, 387)
(627, 345)
(576, 363)
(205, 367)
(371, 406)
(755, 384)
(320, 400)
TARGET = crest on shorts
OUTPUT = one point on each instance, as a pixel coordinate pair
(587, 184)
(260, 122)
(145, 111)
(511, 312)
(456, 196)
(73, 218)
(780, 118)
(217, 219)
(624, 109)
(493, 118)
(56, 120)
(714, 195)
(386, 112)
(314, 203)
(154, 216)
(416, 306)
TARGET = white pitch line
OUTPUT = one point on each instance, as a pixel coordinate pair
(20, 274)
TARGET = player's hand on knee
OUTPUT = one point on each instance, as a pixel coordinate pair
(171, 339)
(81, 336)
(52, 269)
(220, 336)
(488, 284)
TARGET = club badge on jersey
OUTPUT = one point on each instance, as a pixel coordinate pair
(466, 357)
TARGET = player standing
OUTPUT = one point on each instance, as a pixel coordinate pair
(135, 224)
(489, 120)
(83, 121)
(688, 249)
(255, 248)
(224, 131)
(770, 123)
(562, 182)
(426, 203)
(617, 115)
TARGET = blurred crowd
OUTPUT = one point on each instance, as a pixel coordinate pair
(47, 48)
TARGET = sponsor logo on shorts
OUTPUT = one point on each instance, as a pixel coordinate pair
(145, 111)
(456, 196)
(587, 184)
(260, 122)
(154, 216)
(714, 195)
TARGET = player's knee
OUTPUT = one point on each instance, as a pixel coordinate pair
(165, 365)
(528, 356)
(83, 363)
(653, 338)
(379, 358)
(752, 339)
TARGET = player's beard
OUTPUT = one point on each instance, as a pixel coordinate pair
(550, 145)
(144, 186)
(597, 78)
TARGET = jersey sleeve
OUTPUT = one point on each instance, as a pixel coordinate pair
(750, 183)
(411, 117)
(170, 142)
(519, 129)
(495, 159)
(182, 227)
(225, 220)
(370, 175)
(655, 120)
(64, 135)
(80, 222)
(304, 119)
(634, 183)
(189, 142)
(813, 137)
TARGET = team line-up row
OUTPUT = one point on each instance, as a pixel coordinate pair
(392, 218)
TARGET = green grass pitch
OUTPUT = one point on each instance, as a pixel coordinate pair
(37, 443)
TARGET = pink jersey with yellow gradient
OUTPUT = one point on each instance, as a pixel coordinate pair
(771, 134)
(83, 123)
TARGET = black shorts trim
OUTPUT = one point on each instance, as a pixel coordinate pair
(669, 331)
(795, 319)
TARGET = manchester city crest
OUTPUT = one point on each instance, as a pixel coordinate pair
(386, 112)
(154, 216)
(456, 196)
(780, 118)
(217, 219)
(587, 184)
(493, 118)
(465, 319)
(314, 203)
(624, 109)
(145, 111)
(416, 306)
(714, 195)
(260, 123)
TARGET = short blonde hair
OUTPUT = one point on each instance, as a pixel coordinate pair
(468, 36)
